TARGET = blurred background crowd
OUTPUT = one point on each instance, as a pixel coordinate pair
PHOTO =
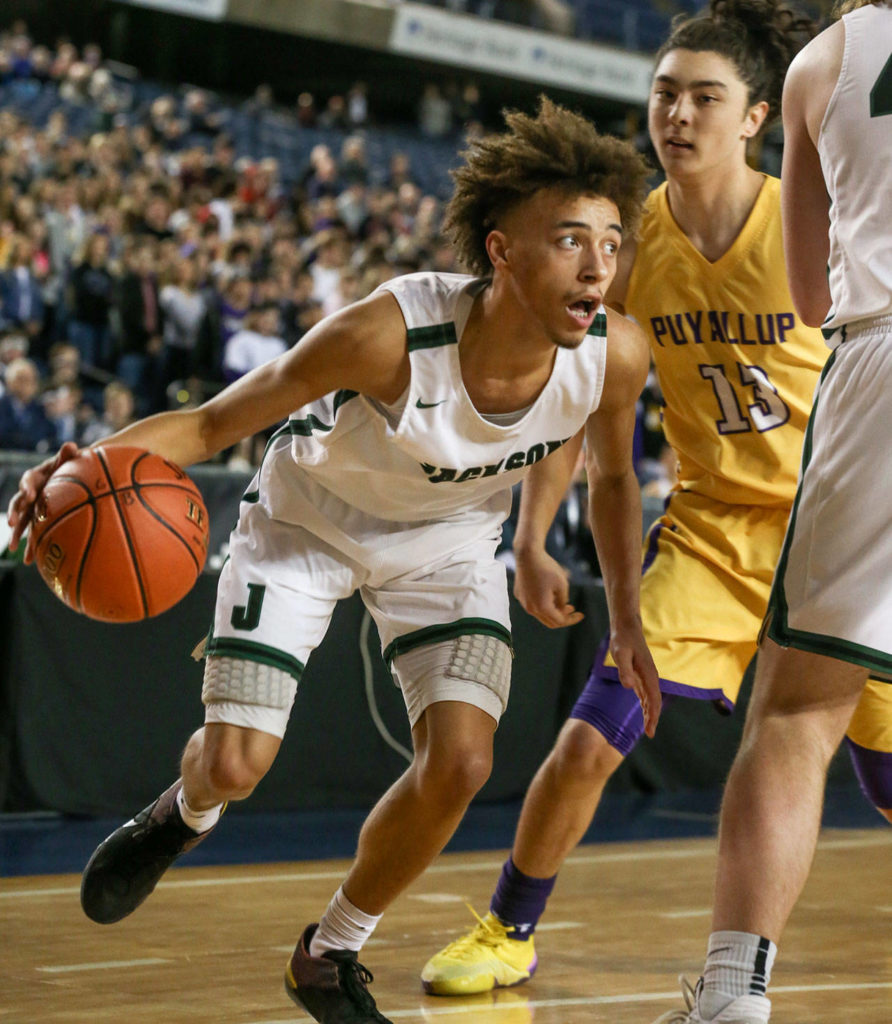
(158, 243)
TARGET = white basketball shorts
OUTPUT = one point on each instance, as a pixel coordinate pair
(279, 586)
(832, 591)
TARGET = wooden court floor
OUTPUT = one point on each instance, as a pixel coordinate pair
(210, 945)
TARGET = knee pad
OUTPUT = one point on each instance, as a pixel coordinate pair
(239, 681)
(473, 668)
(481, 658)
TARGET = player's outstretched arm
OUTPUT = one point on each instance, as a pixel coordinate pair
(361, 348)
(541, 583)
(615, 509)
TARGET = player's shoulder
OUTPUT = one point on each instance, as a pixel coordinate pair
(621, 326)
(628, 352)
(427, 298)
(363, 331)
(655, 202)
(425, 281)
(657, 220)
(818, 61)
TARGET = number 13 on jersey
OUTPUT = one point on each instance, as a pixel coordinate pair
(746, 397)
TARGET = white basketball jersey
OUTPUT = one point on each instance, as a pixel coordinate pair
(855, 147)
(441, 458)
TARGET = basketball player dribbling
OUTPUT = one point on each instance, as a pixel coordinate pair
(418, 409)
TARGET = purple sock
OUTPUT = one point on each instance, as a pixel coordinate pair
(519, 900)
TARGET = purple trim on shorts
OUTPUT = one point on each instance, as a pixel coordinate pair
(652, 542)
(672, 689)
(612, 709)
(874, 771)
(609, 707)
(615, 711)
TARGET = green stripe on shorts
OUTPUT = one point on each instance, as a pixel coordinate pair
(879, 663)
(446, 631)
(247, 650)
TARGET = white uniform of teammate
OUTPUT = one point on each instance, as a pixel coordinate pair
(404, 503)
(833, 590)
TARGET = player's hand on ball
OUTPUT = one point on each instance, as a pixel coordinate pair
(118, 533)
(33, 481)
(542, 585)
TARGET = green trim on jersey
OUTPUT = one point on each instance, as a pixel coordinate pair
(342, 396)
(310, 424)
(248, 650)
(446, 631)
(599, 326)
(433, 336)
(254, 496)
(777, 620)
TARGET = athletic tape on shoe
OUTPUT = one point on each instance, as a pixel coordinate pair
(247, 682)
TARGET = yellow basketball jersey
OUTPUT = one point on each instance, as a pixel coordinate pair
(736, 365)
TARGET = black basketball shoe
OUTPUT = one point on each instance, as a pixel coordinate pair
(125, 867)
(332, 988)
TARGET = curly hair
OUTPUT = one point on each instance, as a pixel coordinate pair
(555, 149)
(842, 7)
(759, 37)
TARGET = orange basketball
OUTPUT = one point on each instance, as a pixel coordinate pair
(120, 534)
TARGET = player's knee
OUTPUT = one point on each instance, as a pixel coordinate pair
(232, 775)
(457, 775)
(235, 760)
(583, 755)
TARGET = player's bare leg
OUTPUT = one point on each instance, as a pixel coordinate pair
(225, 762)
(562, 798)
(557, 811)
(417, 816)
(406, 829)
(771, 813)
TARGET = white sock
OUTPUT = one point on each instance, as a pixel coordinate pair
(198, 821)
(737, 964)
(343, 926)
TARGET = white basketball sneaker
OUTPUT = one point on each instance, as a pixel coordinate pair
(744, 1010)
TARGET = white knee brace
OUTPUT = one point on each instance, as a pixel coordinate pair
(246, 682)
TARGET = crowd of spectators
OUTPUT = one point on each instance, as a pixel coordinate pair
(145, 263)
(143, 253)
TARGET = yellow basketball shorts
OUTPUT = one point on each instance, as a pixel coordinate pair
(706, 579)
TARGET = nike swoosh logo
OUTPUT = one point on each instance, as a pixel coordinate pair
(429, 405)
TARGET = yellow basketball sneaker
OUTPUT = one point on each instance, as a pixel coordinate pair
(484, 959)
